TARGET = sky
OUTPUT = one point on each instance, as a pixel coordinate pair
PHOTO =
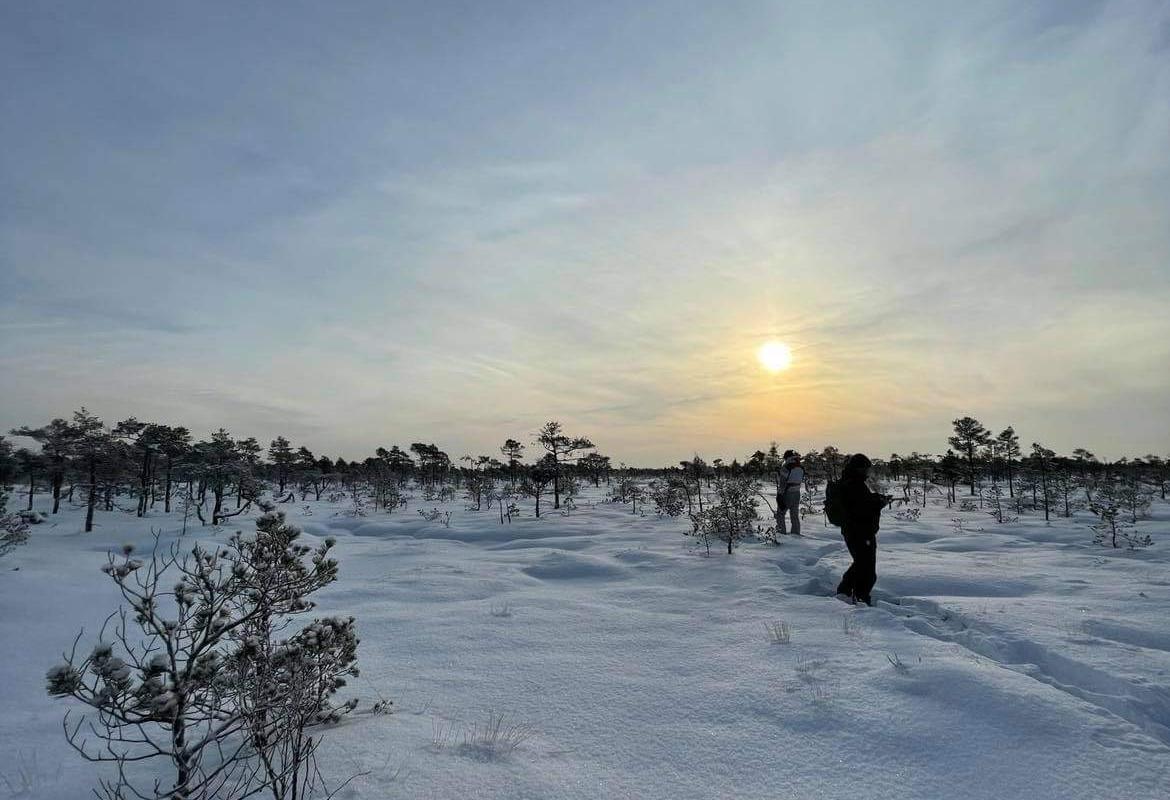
(364, 224)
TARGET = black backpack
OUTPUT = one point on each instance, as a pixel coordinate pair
(834, 507)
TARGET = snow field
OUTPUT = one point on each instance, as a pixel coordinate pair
(612, 659)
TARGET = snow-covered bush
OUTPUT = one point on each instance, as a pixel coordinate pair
(730, 519)
(627, 489)
(13, 527)
(435, 515)
(1108, 506)
(13, 533)
(393, 498)
(669, 496)
(197, 675)
(811, 501)
(1135, 499)
(997, 505)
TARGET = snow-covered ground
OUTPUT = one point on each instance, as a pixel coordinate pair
(1000, 661)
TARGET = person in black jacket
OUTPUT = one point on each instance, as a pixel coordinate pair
(863, 509)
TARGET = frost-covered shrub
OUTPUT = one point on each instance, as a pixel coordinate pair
(1109, 506)
(356, 508)
(811, 502)
(13, 532)
(13, 527)
(997, 505)
(908, 514)
(1135, 499)
(503, 497)
(198, 676)
(627, 489)
(669, 496)
(435, 515)
(730, 519)
(393, 498)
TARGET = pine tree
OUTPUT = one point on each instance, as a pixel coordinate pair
(514, 452)
(281, 454)
(538, 479)
(56, 441)
(93, 446)
(595, 465)
(1009, 450)
(563, 450)
(970, 436)
(197, 677)
(1042, 460)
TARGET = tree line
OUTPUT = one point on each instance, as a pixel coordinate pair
(140, 466)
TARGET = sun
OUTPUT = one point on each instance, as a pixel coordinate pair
(774, 356)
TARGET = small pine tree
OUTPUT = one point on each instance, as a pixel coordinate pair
(538, 480)
(192, 670)
(732, 517)
(1108, 506)
(669, 496)
(997, 506)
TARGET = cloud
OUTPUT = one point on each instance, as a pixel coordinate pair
(395, 234)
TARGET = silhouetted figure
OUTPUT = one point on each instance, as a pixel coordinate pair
(862, 511)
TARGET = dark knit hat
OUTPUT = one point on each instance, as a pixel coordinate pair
(858, 461)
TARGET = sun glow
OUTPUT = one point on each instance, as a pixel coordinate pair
(774, 356)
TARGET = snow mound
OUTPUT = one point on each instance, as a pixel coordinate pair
(563, 566)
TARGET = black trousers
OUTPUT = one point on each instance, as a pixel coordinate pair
(858, 580)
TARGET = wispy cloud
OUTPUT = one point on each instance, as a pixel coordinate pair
(450, 223)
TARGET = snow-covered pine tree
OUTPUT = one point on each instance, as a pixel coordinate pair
(1108, 506)
(732, 517)
(196, 676)
(669, 495)
(997, 507)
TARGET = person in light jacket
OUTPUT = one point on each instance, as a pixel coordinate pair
(793, 476)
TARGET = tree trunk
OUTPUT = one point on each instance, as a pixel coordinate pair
(181, 757)
(144, 481)
(92, 495)
(32, 488)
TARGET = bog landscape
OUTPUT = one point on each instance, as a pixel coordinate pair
(539, 622)
(567, 400)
